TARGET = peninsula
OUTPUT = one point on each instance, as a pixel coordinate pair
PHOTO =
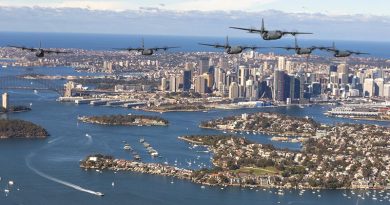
(344, 156)
(21, 129)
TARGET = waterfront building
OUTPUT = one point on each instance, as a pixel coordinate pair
(5, 100)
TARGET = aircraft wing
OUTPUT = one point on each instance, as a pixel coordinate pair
(285, 47)
(56, 51)
(23, 48)
(250, 30)
(164, 48)
(213, 45)
(252, 47)
(128, 49)
(359, 53)
(294, 33)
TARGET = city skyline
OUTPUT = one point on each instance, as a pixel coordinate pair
(357, 23)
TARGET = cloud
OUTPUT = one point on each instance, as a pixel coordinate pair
(159, 21)
(219, 5)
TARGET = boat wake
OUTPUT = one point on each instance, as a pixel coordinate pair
(48, 177)
(89, 137)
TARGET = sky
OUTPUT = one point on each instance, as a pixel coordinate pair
(375, 7)
(328, 19)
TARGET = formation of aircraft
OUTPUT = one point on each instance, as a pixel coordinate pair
(39, 52)
(230, 49)
(146, 51)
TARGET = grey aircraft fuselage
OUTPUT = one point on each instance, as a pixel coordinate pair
(339, 53)
(272, 35)
(40, 53)
(147, 52)
(234, 50)
(303, 51)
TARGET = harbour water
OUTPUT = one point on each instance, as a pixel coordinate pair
(47, 171)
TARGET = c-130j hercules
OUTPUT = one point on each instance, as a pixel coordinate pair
(270, 34)
(146, 51)
(39, 52)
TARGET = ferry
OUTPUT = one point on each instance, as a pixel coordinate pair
(99, 193)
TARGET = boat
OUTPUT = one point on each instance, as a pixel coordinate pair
(202, 187)
(127, 147)
(99, 193)
(11, 183)
(113, 184)
(6, 191)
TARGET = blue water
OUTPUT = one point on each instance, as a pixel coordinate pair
(58, 157)
(187, 43)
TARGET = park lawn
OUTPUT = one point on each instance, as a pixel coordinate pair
(257, 170)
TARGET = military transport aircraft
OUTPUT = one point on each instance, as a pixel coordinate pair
(341, 53)
(268, 34)
(229, 49)
(146, 51)
(39, 52)
(302, 50)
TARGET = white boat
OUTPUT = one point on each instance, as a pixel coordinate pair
(6, 191)
(99, 193)
(127, 147)
(11, 183)
(202, 187)
(113, 184)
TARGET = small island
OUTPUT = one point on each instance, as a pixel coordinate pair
(21, 129)
(125, 120)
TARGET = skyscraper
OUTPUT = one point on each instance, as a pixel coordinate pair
(278, 94)
(243, 74)
(233, 91)
(282, 63)
(201, 84)
(368, 87)
(163, 84)
(187, 80)
(204, 65)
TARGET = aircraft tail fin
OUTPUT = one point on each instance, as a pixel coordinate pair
(227, 41)
(262, 25)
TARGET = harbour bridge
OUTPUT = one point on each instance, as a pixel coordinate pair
(12, 82)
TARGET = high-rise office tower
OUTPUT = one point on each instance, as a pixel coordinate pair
(204, 65)
(278, 86)
(368, 87)
(233, 91)
(163, 84)
(243, 75)
(201, 84)
(187, 76)
(379, 83)
(282, 63)
(173, 83)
